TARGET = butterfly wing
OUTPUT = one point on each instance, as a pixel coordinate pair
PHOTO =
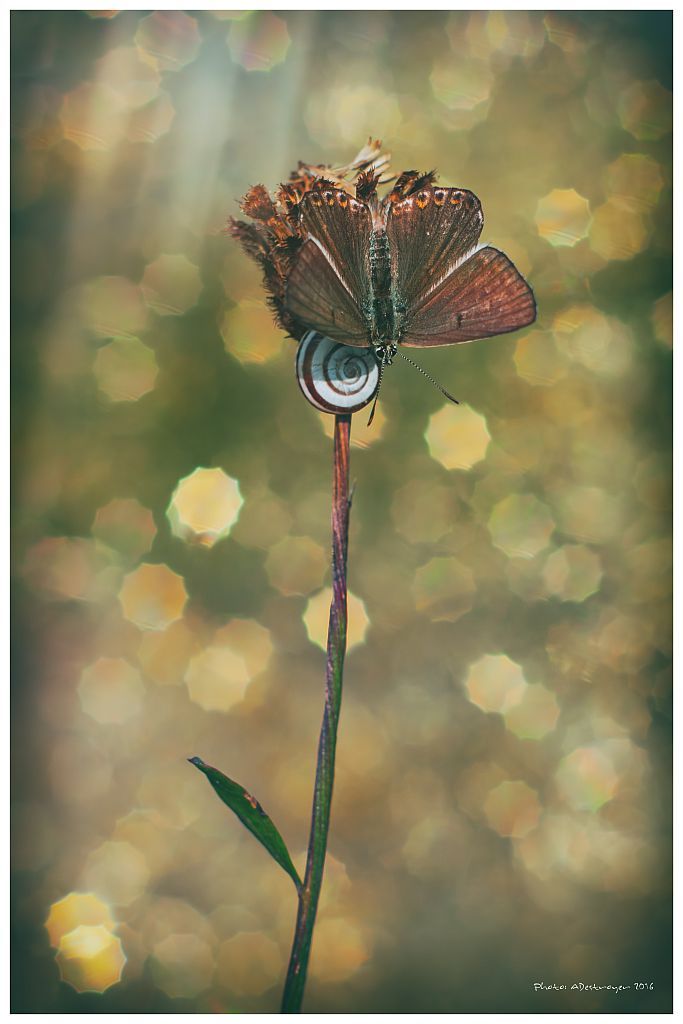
(318, 297)
(482, 296)
(329, 286)
(430, 232)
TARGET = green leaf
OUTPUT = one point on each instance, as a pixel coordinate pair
(251, 814)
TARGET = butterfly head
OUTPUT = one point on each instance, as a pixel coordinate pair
(385, 352)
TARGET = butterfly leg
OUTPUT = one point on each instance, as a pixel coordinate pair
(384, 354)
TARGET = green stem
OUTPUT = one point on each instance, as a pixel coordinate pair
(324, 777)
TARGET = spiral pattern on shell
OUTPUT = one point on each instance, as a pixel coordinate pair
(336, 378)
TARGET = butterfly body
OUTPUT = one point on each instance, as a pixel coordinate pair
(382, 320)
(403, 271)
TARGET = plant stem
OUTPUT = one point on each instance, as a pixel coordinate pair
(324, 776)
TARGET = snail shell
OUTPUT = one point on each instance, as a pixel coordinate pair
(333, 377)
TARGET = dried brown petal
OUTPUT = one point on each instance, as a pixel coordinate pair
(423, 181)
(366, 185)
(290, 194)
(320, 184)
(250, 238)
(402, 184)
(258, 204)
(410, 182)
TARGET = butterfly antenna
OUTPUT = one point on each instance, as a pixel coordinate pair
(379, 385)
(428, 376)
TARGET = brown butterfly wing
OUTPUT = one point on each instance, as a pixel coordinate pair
(329, 286)
(483, 296)
(342, 226)
(318, 297)
(429, 232)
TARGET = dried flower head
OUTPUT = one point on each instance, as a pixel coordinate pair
(273, 238)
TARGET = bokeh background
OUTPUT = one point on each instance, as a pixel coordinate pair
(502, 806)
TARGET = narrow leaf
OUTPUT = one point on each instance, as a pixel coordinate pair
(251, 814)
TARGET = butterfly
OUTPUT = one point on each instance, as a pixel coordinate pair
(402, 272)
